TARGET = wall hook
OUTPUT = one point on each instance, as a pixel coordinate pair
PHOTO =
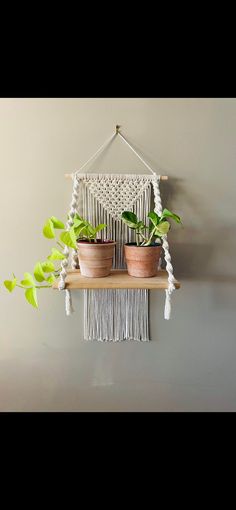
(117, 129)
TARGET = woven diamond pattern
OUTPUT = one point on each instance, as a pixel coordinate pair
(117, 193)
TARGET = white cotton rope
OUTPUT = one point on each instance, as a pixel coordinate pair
(68, 302)
(65, 261)
(136, 153)
(100, 149)
(97, 152)
(165, 244)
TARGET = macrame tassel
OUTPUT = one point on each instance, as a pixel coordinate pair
(68, 302)
(167, 310)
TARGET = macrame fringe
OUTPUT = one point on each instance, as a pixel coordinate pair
(114, 315)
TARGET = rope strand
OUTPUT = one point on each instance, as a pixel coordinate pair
(97, 152)
(65, 261)
(165, 244)
(136, 153)
(103, 146)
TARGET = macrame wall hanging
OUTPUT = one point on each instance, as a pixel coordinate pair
(111, 314)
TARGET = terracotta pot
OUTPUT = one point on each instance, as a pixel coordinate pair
(142, 261)
(95, 259)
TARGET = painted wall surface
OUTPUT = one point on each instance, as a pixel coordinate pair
(190, 364)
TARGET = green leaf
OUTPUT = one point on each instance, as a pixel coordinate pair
(57, 223)
(91, 230)
(56, 255)
(48, 230)
(10, 284)
(79, 230)
(48, 266)
(78, 222)
(100, 227)
(51, 278)
(77, 217)
(162, 229)
(154, 218)
(86, 231)
(69, 238)
(28, 280)
(73, 237)
(130, 219)
(31, 296)
(38, 272)
(168, 214)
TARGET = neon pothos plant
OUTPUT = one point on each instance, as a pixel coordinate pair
(46, 272)
(158, 226)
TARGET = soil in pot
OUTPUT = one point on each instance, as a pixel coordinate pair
(142, 261)
(95, 259)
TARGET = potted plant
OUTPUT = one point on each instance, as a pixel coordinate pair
(80, 235)
(142, 256)
(95, 255)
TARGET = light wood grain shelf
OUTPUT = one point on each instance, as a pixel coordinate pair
(118, 279)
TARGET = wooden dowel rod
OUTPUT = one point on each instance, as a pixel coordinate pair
(163, 177)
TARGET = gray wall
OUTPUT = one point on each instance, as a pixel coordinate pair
(190, 364)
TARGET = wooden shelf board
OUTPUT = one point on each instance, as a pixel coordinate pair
(118, 279)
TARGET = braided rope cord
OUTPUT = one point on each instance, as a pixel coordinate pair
(65, 261)
(165, 245)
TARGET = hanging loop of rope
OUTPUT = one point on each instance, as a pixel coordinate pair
(106, 143)
(101, 149)
(136, 153)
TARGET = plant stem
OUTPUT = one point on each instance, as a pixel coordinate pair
(150, 237)
(42, 286)
(145, 238)
(61, 245)
(36, 286)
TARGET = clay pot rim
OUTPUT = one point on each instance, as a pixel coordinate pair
(134, 245)
(98, 243)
